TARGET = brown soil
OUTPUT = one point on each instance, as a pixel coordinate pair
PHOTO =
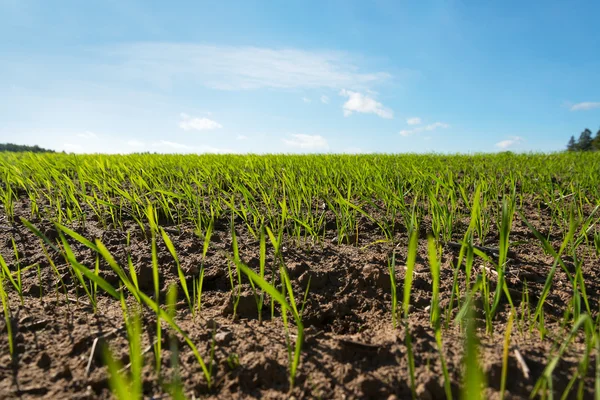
(351, 349)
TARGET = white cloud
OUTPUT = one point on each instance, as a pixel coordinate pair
(242, 137)
(358, 102)
(413, 121)
(324, 99)
(307, 142)
(189, 123)
(505, 144)
(586, 105)
(430, 127)
(353, 150)
(239, 67)
(306, 100)
(72, 147)
(172, 145)
(165, 146)
(87, 135)
(211, 149)
(135, 143)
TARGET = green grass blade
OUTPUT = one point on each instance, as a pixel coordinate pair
(408, 276)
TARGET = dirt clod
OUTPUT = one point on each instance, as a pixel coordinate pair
(44, 361)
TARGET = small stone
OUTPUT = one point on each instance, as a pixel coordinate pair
(44, 361)
(392, 397)
(223, 337)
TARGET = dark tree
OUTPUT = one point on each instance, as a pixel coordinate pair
(572, 145)
(596, 142)
(585, 141)
(18, 148)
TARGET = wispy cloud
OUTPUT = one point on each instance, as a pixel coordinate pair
(586, 105)
(413, 121)
(189, 123)
(171, 145)
(358, 102)
(353, 150)
(306, 142)
(505, 144)
(135, 143)
(430, 127)
(306, 100)
(216, 150)
(324, 99)
(165, 146)
(72, 147)
(239, 67)
(87, 135)
(242, 137)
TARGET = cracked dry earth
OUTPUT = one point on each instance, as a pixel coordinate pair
(350, 351)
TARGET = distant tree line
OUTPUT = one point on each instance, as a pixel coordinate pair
(19, 148)
(585, 142)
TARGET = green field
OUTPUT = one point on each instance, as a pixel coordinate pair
(321, 276)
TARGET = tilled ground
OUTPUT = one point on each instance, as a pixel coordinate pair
(351, 349)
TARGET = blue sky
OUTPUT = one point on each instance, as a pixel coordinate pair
(298, 76)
